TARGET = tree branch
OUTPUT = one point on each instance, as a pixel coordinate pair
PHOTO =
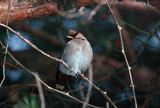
(43, 83)
(124, 52)
(26, 11)
(34, 46)
(40, 34)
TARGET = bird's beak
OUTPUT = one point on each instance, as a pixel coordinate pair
(70, 37)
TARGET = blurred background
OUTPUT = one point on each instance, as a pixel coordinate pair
(141, 35)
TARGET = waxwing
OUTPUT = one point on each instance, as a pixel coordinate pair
(78, 56)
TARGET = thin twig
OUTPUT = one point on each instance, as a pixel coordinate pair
(124, 54)
(89, 86)
(141, 31)
(107, 105)
(136, 28)
(41, 95)
(52, 39)
(6, 49)
(46, 85)
(4, 69)
(34, 46)
(94, 11)
(149, 34)
(99, 90)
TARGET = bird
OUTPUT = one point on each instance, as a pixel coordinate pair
(78, 56)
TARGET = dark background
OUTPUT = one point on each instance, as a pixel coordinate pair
(141, 37)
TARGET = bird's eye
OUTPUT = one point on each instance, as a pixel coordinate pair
(69, 38)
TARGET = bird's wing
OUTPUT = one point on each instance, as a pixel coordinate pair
(70, 50)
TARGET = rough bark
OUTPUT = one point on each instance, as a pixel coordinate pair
(25, 11)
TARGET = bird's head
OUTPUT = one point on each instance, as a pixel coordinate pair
(75, 35)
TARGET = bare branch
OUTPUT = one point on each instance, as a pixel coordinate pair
(40, 34)
(89, 86)
(124, 54)
(25, 11)
(6, 50)
(41, 95)
(99, 90)
(46, 85)
(34, 46)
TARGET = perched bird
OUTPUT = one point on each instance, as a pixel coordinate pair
(78, 55)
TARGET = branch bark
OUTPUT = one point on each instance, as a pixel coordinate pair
(26, 11)
(29, 10)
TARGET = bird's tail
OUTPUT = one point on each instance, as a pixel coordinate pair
(62, 81)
